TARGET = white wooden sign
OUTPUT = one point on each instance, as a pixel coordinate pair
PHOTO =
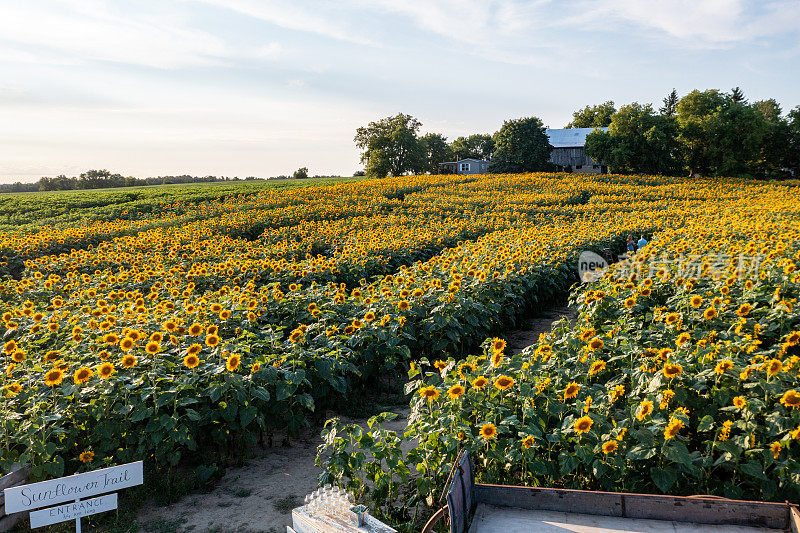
(73, 489)
(74, 510)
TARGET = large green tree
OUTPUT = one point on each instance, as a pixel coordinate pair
(391, 146)
(638, 140)
(791, 159)
(595, 116)
(437, 150)
(521, 145)
(477, 146)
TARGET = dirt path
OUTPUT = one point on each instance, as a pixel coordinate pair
(532, 326)
(260, 496)
(257, 497)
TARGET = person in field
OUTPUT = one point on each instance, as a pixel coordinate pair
(631, 248)
(642, 242)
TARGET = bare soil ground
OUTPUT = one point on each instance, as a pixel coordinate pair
(260, 496)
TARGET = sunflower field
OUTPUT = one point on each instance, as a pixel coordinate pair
(183, 333)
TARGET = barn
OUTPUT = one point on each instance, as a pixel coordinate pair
(465, 166)
(568, 153)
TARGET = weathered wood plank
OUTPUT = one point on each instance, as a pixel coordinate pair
(572, 501)
(707, 510)
(794, 519)
(18, 473)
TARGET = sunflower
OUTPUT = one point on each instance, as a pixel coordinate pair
(673, 428)
(369, 317)
(294, 337)
(597, 366)
(191, 361)
(18, 356)
(10, 347)
(152, 347)
(630, 302)
(723, 366)
(683, 338)
(671, 370)
(616, 393)
(739, 402)
(194, 349)
(774, 367)
(587, 334)
(195, 329)
(440, 365)
(671, 318)
(793, 338)
(710, 313)
(488, 431)
(596, 344)
(610, 447)
(776, 449)
(212, 340)
(455, 392)
(571, 390)
(583, 425)
(232, 363)
(498, 345)
(695, 301)
(82, 375)
(215, 308)
(497, 359)
(111, 338)
(430, 392)
(12, 389)
(791, 398)
(479, 382)
(527, 442)
(645, 409)
(503, 382)
(126, 344)
(105, 370)
(744, 310)
(86, 457)
(53, 377)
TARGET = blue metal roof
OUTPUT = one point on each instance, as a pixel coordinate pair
(570, 137)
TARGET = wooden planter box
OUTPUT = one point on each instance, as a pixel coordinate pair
(17, 476)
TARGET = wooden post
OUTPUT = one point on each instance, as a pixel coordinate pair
(17, 476)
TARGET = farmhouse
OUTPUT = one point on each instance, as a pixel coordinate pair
(465, 166)
(568, 153)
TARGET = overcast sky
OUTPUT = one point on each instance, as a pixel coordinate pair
(262, 87)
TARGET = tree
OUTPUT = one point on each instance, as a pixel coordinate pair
(391, 146)
(597, 116)
(792, 154)
(777, 132)
(301, 173)
(638, 141)
(697, 128)
(477, 146)
(437, 151)
(737, 96)
(670, 104)
(521, 145)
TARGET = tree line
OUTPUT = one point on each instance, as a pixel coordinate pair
(704, 132)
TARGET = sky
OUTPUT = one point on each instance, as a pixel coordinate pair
(263, 87)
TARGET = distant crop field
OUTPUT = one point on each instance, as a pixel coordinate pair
(177, 324)
(31, 210)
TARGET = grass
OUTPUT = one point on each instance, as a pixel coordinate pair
(285, 505)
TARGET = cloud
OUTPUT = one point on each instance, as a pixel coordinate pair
(320, 18)
(81, 31)
(696, 23)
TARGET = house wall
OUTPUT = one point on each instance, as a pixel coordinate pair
(576, 159)
(475, 167)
